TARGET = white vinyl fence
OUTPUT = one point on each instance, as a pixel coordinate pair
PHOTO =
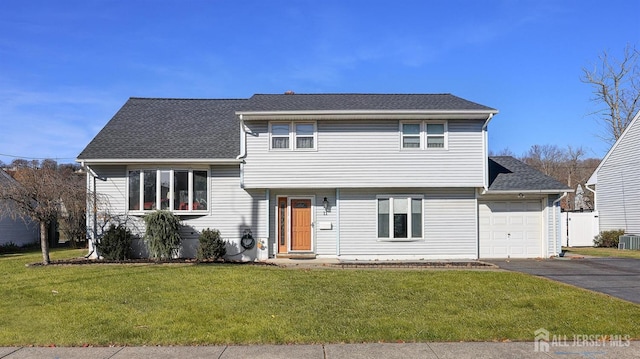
(579, 228)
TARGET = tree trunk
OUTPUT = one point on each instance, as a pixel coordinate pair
(44, 243)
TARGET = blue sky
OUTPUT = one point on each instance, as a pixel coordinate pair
(66, 67)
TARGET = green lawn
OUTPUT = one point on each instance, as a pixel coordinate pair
(187, 304)
(604, 252)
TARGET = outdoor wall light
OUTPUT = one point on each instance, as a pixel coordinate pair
(325, 204)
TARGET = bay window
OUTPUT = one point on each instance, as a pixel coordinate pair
(400, 217)
(168, 189)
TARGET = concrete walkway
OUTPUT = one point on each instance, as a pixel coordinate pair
(521, 350)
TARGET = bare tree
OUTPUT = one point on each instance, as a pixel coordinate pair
(38, 192)
(503, 152)
(548, 159)
(616, 89)
(565, 165)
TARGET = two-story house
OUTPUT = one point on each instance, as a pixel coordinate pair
(350, 176)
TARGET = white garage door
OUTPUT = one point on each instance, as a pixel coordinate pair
(510, 229)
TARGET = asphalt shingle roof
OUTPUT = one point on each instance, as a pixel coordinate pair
(509, 174)
(153, 128)
(351, 101)
(146, 128)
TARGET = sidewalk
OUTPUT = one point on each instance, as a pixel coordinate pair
(519, 350)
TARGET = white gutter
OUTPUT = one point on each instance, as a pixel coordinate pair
(366, 112)
(159, 160)
(555, 224)
(485, 154)
(537, 191)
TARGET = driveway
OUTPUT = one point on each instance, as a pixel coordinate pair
(618, 277)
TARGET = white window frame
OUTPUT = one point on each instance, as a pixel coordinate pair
(420, 135)
(409, 198)
(272, 136)
(170, 196)
(293, 136)
(427, 135)
(296, 135)
(424, 135)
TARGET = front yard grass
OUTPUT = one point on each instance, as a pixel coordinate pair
(604, 252)
(185, 304)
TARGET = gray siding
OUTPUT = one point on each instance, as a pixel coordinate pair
(232, 209)
(450, 225)
(366, 154)
(618, 188)
(17, 231)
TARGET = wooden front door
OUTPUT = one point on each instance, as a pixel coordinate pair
(301, 225)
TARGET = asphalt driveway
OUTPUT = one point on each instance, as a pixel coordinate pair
(618, 277)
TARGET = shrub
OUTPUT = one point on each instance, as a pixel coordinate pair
(608, 239)
(211, 245)
(9, 247)
(163, 234)
(115, 243)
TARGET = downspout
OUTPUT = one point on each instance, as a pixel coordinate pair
(94, 207)
(558, 245)
(267, 195)
(338, 222)
(485, 155)
(243, 149)
(594, 195)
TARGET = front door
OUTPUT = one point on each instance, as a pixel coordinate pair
(301, 225)
(294, 218)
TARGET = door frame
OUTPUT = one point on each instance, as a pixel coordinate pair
(312, 199)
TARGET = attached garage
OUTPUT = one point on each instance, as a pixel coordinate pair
(511, 229)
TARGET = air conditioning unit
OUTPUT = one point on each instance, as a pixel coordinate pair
(629, 241)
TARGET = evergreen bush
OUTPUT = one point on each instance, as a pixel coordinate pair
(212, 246)
(162, 235)
(115, 244)
(609, 239)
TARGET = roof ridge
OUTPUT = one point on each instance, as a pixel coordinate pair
(187, 99)
(354, 93)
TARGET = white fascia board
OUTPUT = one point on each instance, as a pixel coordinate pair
(159, 160)
(531, 191)
(368, 114)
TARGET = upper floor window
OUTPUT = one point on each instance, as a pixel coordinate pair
(435, 133)
(423, 134)
(292, 135)
(411, 135)
(168, 189)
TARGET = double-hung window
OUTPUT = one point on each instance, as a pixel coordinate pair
(168, 189)
(435, 133)
(280, 136)
(400, 217)
(423, 134)
(295, 135)
(411, 135)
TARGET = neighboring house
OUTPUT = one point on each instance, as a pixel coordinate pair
(617, 183)
(349, 176)
(18, 231)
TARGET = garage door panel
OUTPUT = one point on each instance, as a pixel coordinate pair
(510, 229)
